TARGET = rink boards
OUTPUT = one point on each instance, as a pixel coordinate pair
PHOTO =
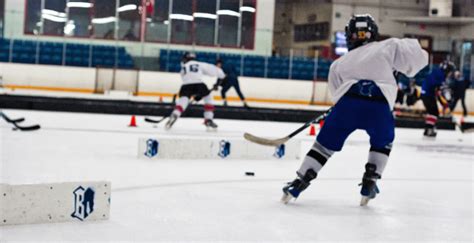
(54, 202)
(125, 106)
(213, 148)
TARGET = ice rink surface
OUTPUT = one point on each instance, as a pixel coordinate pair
(426, 190)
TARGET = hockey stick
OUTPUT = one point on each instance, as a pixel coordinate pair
(26, 128)
(280, 141)
(15, 121)
(8, 119)
(151, 120)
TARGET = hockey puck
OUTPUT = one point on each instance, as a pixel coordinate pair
(249, 173)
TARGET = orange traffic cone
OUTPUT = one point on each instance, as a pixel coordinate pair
(161, 99)
(321, 124)
(133, 122)
(312, 130)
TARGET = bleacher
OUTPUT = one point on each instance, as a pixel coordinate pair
(268, 67)
(84, 55)
(253, 65)
(52, 53)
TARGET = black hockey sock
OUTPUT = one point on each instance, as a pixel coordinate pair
(316, 158)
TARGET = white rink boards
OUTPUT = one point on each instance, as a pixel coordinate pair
(213, 148)
(54, 202)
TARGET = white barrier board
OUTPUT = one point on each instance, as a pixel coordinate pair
(213, 148)
(52, 203)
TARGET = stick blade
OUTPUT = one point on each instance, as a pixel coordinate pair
(265, 141)
(150, 120)
(30, 128)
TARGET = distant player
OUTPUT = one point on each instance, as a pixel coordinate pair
(459, 87)
(408, 93)
(193, 86)
(434, 88)
(230, 80)
(364, 90)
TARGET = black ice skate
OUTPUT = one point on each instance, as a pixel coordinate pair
(369, 187)
(430, 133)
(294, 188)
(210, 124)
(171, 121)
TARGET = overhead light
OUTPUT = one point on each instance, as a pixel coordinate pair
(127, 7)
(182, 17)
(205, 15)
(105, 20)
(54, 18)
(247, 9)
(79, 5)
(53, 13)
(228, 12)
(167, 22)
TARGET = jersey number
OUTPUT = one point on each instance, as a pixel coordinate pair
(192, 68)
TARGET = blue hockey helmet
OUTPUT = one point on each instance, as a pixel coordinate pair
(360, 30)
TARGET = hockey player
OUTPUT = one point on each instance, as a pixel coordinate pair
(364, 91)
(459, 87)
(193, 87)
(430, 91)
(231, 80)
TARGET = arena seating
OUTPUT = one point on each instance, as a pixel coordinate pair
(253, 66)
(82, 55)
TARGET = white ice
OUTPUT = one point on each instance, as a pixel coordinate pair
(426, 190)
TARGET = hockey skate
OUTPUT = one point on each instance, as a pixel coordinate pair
(210, 125)
(173, 118)
(430, 133)
(294, 188)
(369, 186)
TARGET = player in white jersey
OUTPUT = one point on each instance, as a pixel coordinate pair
(193, 86)
(364, 90)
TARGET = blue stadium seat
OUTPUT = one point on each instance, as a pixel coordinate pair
(50, 60)
(21, 57)
(4, 56)
(4, 47)
(98, 62)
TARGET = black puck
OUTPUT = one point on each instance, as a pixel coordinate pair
(249, 173)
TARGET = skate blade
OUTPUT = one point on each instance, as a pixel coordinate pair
(426, 138)
(364, 201)
(211, 129)
(286, 198)
(168, 126)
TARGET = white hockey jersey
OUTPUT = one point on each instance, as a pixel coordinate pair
(193, 71)
(376, 61)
